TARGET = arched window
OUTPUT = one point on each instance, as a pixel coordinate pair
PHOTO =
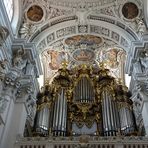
(9, 8)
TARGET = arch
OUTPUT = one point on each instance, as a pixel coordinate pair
(117, 32)
(17, 16)
(146, 11)
(9, 6)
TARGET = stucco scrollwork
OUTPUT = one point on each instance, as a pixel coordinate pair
(26, 30)
(141, 28)
(24, 91)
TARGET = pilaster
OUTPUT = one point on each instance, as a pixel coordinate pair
(137, 67)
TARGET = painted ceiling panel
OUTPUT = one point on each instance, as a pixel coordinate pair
(82, 32)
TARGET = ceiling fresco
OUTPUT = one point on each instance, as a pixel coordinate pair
(83, 52)
(88, 40)
(82, 32)
(130, 10)
(55, 59)
(35, 13)
(39, 12)
(83, 55)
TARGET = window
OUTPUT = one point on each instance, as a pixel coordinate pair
(9, 8)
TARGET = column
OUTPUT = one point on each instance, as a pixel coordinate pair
(16, 117)
(143, 98)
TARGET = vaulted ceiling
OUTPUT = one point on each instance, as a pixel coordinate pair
(82, 32)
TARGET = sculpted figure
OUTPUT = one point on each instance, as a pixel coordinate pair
(18, 60)
(144, 61)
(137, 66)
(141, 27)
(3, 34)
(82, 17)
(3, 64)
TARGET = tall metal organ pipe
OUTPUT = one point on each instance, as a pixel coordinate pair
(42, 121)
(126, 120)
(84, 91)
(60, 114)
(110, 114)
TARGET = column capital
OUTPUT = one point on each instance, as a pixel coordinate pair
(135, 54)
(24, 91)
(11, 83)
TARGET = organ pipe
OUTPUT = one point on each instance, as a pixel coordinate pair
(59, 125)
(84, 91)
(126, 120)
(127, 123)
(42, 121)
(84, 98)
(109, 119)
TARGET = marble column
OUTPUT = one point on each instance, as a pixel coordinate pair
(6, 96)
(16, 118)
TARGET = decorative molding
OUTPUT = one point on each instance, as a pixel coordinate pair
(72, 30)
(65, 31)
(83, 5)
(91, 139)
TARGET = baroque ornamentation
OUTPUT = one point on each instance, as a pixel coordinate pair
(3, 34)
(3, 66)
(19, 60)
(66, 31)
(81, 5)
(144, 61)
(130, 10)
(83, 90)
(35, 13)
(24, 91)
(27, 30)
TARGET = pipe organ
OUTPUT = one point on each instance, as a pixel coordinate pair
(60, 114)
(84, 101)
(110, 113)
(81, 93)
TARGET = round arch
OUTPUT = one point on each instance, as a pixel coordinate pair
(17, 16)
(122, 36)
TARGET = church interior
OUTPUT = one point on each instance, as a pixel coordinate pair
(74, 74)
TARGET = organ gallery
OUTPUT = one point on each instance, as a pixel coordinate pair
(84, 100)
(73, 74)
